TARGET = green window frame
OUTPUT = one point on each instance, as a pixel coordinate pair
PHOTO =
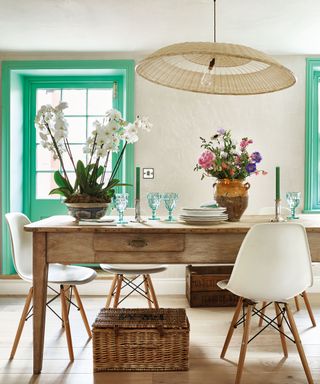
(18, 78)
(312, 155)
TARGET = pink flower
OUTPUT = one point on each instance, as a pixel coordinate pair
(206, 159)
(244, 143)
(264, 172)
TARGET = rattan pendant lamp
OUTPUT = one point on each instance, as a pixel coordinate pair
(215, 68)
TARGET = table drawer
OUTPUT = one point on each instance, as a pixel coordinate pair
(138, 243)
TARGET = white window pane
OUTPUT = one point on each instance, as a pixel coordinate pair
(38, 138)
(45, 161)
(44, 184)
(77, 129)
(71, 177)
(77, 154)
(48, 96)
(99, 101)
(76, 99)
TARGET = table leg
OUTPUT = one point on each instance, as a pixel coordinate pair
(40, 279)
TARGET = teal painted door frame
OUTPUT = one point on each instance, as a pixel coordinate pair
(14, 73)
(312, 156)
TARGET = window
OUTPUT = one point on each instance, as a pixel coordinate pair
(85, 106)
(88, 100)
(88, 86)
(312, 154)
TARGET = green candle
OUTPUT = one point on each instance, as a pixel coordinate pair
(277, 183)
(137, 183)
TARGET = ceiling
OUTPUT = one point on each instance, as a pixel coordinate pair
(273, 26)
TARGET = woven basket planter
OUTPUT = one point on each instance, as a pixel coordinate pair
(141, 340)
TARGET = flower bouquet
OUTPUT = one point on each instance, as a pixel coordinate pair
(230, 165)
(222, 159)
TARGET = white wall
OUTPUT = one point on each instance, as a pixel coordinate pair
(275, 122)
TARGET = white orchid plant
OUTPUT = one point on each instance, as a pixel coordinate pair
(91, 184)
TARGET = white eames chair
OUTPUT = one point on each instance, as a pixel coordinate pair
(67, 276)
(273, 265)
(126, 275)
(284, 212)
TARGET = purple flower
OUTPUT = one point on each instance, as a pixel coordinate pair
(221, 131)
(251, 167)
(256, 157)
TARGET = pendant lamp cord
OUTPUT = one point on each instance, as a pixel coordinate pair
(214, 21)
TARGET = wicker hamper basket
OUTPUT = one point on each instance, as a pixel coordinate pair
(202, 289)
(141, 340)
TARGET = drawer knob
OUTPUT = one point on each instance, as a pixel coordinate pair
(138, 243)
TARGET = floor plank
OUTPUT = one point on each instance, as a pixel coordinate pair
(264, 364)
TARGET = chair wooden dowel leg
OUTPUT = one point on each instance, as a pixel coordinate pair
(113, 284)
(263, 311)
(152, 291)
(244, 344)
(282, 336)
(231, 328)
(147, 290)
(82, 311)
(21, 322)
(296, 300)
(299, 344)
(309, 309)
(65, 318)
(67, 293)
(118, 291)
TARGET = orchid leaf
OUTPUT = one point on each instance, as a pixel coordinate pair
(60, 191)
(62, 182)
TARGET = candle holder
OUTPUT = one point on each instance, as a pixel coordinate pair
(278, 218)
(137, 216)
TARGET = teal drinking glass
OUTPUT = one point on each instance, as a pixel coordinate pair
(154, 199)
(170, 202)
(120, 203)
(293, 200)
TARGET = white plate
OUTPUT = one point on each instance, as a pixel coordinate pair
(204, 218)
(217, 214)
(191, 219)
(205, 209)
(203, 222)
(203, 212)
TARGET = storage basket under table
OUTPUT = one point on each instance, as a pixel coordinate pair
(202, 289)
(143, 339)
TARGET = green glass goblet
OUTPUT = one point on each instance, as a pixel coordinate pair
(170, 202)
(293, 200)
(121, 202)
(154, 199)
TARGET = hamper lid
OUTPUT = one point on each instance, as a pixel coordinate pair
(142, 318)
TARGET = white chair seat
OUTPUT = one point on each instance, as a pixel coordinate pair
(133, 269)
(67, 274)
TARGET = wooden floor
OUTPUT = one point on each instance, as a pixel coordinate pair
(264, 363)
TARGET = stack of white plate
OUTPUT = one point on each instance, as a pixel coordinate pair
(203, 215)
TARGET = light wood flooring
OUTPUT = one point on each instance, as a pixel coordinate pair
(264, 363)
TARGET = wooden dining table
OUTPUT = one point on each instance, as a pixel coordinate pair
(59, 239)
